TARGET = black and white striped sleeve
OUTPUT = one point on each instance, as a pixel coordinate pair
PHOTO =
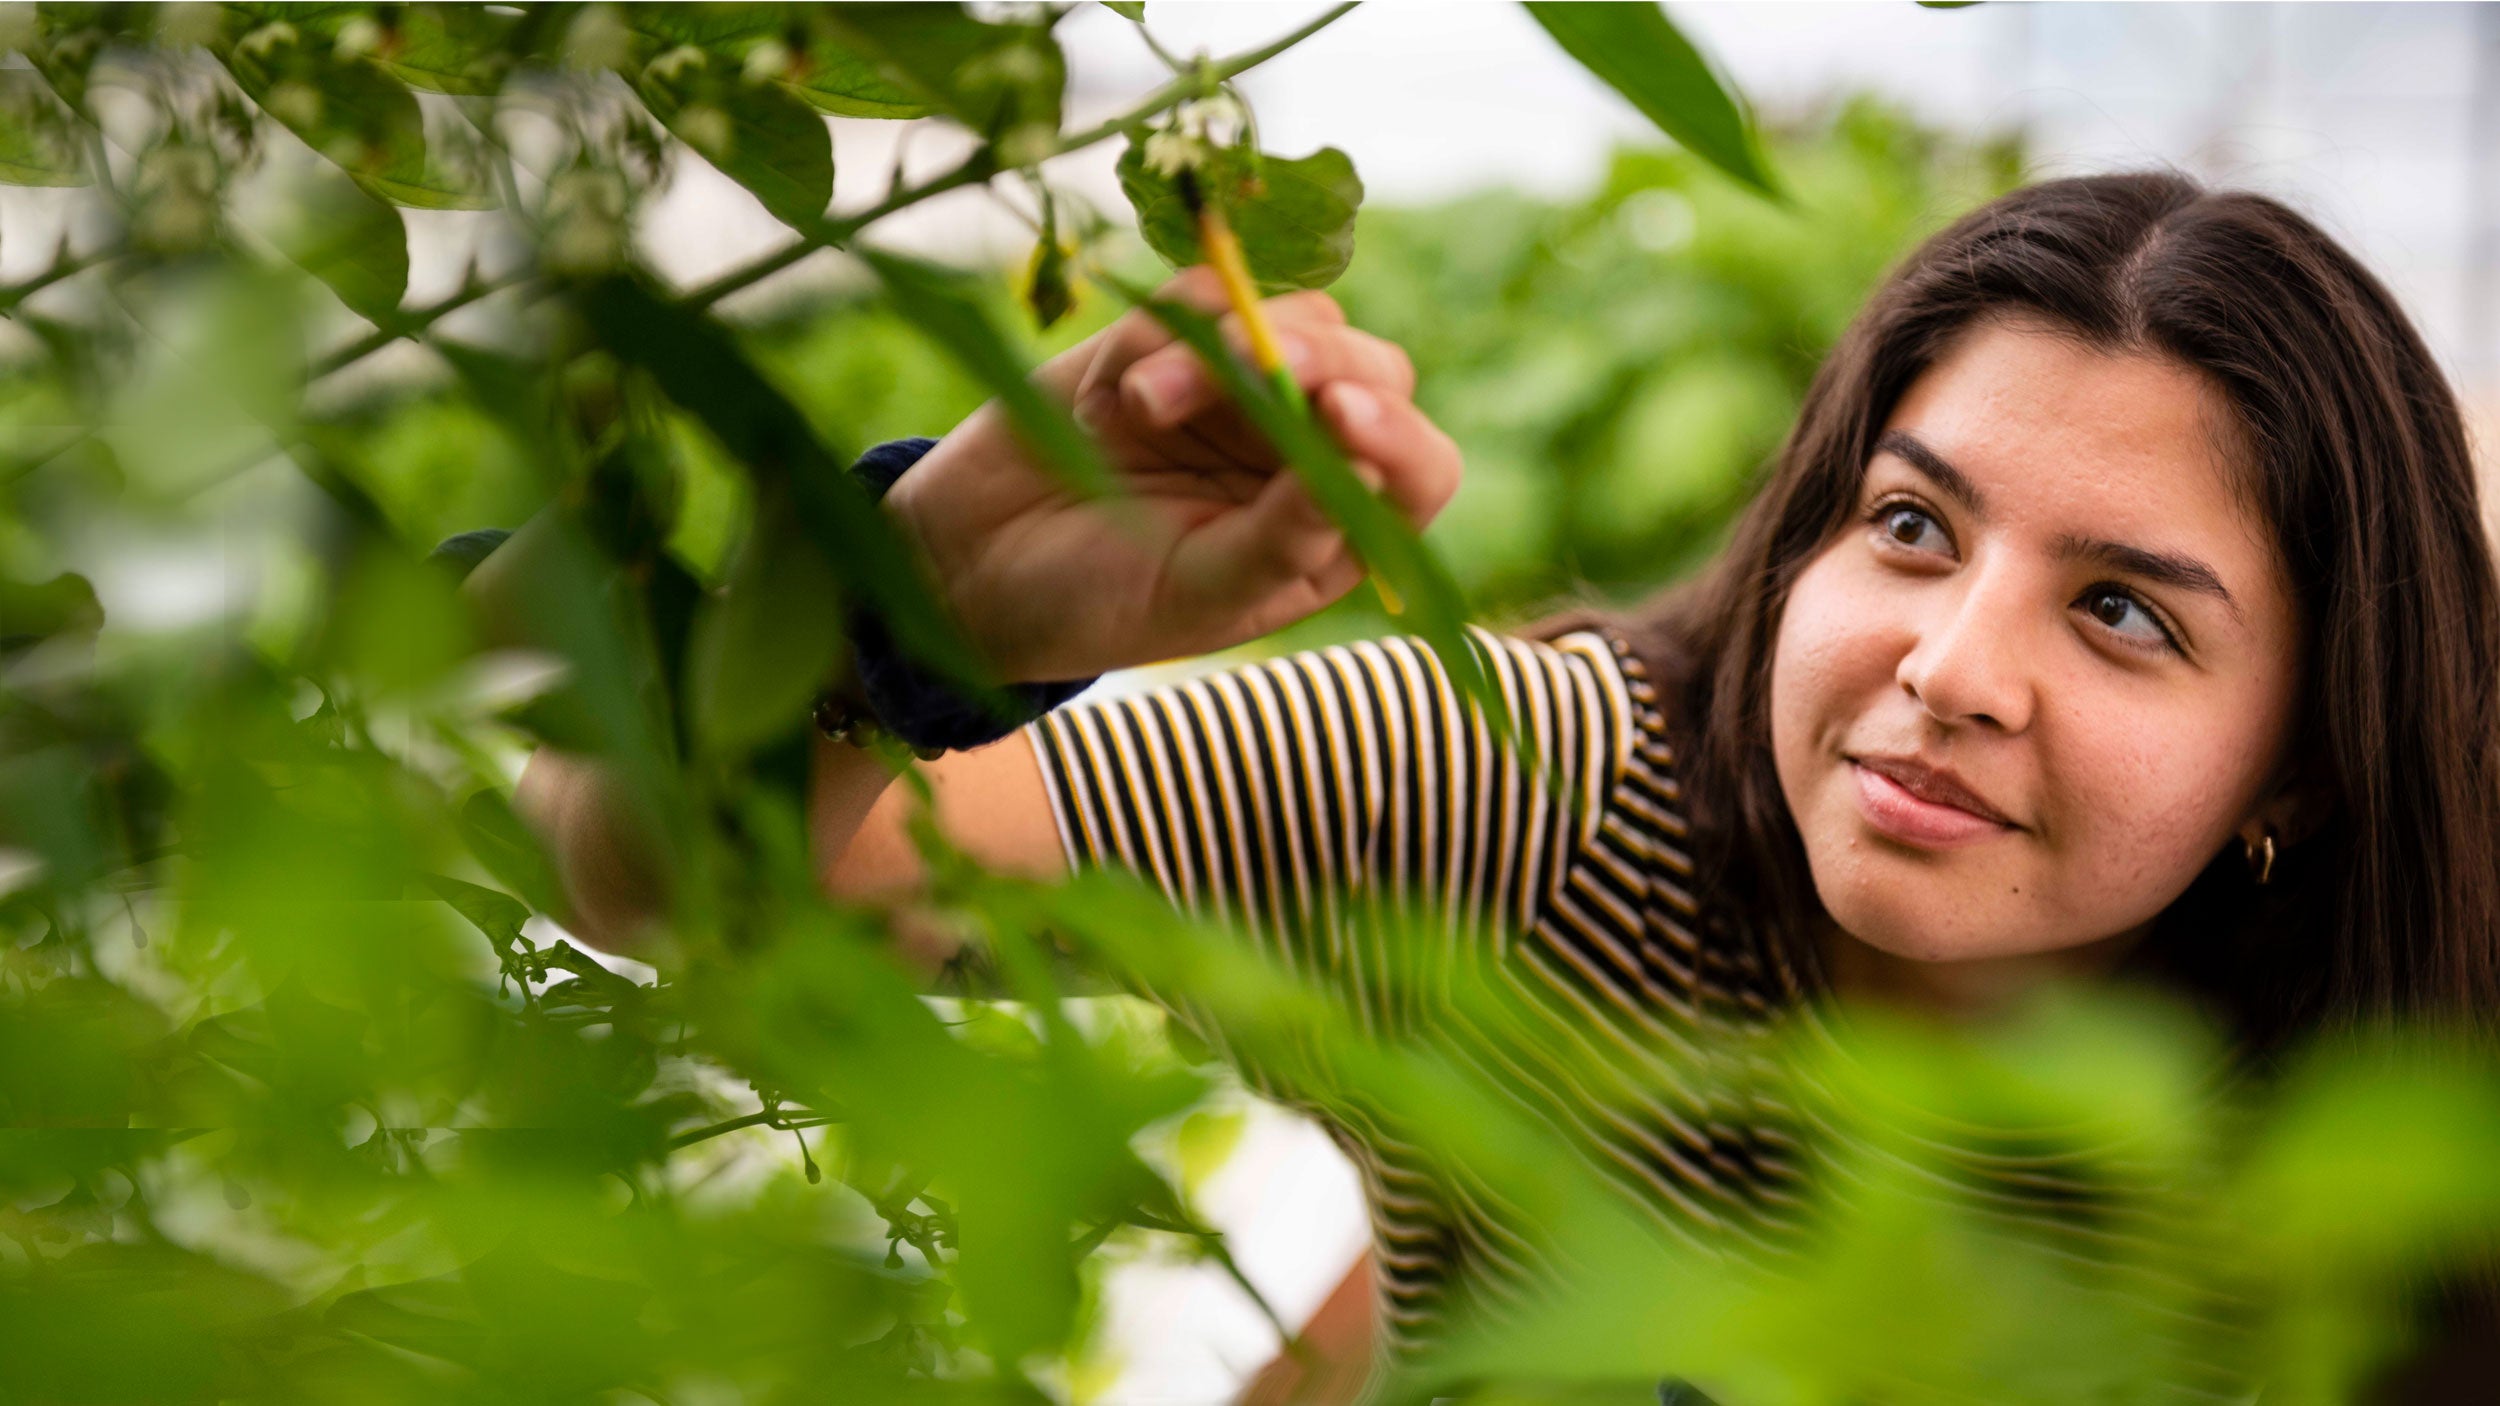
(1283, 796)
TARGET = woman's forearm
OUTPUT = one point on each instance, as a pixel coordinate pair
(604, 858)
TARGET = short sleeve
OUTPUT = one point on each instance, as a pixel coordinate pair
(1287, 796)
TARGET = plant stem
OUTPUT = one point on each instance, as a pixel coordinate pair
(407, 325)
(772, 1118)
(981, 165)
(17, 293)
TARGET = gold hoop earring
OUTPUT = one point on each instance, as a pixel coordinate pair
(2260, 856)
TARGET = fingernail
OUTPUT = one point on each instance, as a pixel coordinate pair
(1295, 351)
(1356, 406)
(1371, 476)
(1091, 410)
(1158, 389)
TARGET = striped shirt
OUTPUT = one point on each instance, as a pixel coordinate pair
(1288, 798)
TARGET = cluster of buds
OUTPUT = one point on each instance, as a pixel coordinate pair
(1196, 130)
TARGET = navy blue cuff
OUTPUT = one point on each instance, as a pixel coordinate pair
(921, 709)
(463, 551)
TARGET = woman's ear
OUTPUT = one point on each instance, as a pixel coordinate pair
(2292, 813)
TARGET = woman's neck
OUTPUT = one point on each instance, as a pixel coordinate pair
(1978, 990)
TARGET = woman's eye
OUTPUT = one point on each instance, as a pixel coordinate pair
(2122, 614)
(1912, 527)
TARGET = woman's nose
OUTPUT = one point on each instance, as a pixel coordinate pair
(1972, 661)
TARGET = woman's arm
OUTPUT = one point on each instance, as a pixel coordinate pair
(1212, 544)
(1332, 1356)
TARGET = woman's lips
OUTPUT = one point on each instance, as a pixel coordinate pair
(1894, 812)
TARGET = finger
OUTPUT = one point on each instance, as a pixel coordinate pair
(1137, 333)
(1171, 384)
(1418, 465)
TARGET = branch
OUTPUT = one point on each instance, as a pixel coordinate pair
(780, 1120)
(981, 165)
(16, 293)
(407, 325)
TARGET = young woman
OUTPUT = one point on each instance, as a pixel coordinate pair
(2120, 606)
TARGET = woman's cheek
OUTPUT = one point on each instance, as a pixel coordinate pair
(2151, 794)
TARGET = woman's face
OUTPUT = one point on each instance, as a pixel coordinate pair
(2047, 671)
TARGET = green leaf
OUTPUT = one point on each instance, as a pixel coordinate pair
(1639, 53)
(948, 314)
(814, 65)
(337, 232)
(757, 134)
(459, 49)
(498, 915)
(1127, 9)
(701, 367)
(725, 32)
(354, 114)
(39, 142)
(508, 850)
(763, 647)
(1004, 81)
(1295, 217)
(1434, 608)
(836, 79)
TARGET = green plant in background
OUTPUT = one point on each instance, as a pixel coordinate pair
(301, 1098)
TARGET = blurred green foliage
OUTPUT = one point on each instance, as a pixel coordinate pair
(304, 1095)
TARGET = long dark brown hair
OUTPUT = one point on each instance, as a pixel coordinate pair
(2391, 906)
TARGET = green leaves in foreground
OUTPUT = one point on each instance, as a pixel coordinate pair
(757, 134)
(1639, 53)
(337, 232)
(1295, 217)
(700, 366)
(944, 308)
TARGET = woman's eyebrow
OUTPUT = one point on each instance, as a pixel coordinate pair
(2184, 572)
(1908, 448)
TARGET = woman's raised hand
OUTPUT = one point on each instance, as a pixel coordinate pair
(1227, 546)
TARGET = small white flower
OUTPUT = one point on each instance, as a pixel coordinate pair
(269, 36)
(1168, 153)
(767, 61)
(670, 66)
(361, 35)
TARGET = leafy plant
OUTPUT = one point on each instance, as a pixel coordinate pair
(302, 1094)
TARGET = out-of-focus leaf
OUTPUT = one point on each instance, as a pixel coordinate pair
(1295, 217)
(1434, 608)
(352, 113)
(1127, 9)
(498, 915)
(1003, 80)
(349, 240)
(396, 627)
(793, 46)
(755, 133)
(1637, 51)
(724, 31)
(31, 612)
(39, 143)
(699, 366)
(460, 49)
(764, 646)
(941, 307)
(832, 77)
(509, 851)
